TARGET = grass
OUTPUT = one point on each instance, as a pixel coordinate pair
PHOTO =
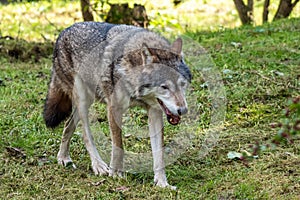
(260, 70)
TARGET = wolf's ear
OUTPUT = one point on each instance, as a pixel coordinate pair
(177, 46)
(146, 55)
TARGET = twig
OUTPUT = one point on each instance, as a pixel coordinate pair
(52, 24)
(19, 31)
(44, 37)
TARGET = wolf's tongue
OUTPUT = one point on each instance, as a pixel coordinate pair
(172, 119)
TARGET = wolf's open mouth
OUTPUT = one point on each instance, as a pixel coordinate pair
(172, 119)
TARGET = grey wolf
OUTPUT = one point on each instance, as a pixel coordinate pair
(121, 66)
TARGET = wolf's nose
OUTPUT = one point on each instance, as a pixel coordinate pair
(182, 110)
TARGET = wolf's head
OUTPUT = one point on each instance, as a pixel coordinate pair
(164, 79)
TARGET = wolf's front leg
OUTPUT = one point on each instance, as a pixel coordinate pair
(155, 117)
(117, 154)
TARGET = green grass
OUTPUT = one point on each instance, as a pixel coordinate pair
(260, 71)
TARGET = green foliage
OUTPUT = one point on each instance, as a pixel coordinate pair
(289, 127)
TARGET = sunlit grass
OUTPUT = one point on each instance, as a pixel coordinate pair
(43, 20)
(38, 21)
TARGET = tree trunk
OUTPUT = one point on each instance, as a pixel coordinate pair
(86, 10)
(285, 8)
(266, 11)
(245, 11)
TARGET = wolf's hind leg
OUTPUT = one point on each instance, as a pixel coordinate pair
(63, 156)
(83, 99)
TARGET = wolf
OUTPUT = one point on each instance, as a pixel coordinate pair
(122, 66)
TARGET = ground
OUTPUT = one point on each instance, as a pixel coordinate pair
(259, 67)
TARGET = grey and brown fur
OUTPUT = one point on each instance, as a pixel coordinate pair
(122, 66)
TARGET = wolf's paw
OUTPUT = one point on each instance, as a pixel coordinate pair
(160, 180)
(66, 162)
(100, 167)
(114, 173)
(165, 185)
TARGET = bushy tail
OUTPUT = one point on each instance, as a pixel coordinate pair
(58, 107)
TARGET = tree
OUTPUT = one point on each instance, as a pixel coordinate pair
(266, 11)
(86, 10)
(117, 14)
(123, 14)
(245, 11)
(285, 8)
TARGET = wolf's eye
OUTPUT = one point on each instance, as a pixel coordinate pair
(164, 87)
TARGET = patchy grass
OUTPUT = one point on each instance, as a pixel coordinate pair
(260, 71)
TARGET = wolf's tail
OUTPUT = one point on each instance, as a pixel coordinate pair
(58, 107)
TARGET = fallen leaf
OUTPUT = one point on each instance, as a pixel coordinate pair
(122, 189)
(98, 182)
(236, 44)
(234, 155)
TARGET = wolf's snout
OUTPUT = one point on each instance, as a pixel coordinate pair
(182, 110)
